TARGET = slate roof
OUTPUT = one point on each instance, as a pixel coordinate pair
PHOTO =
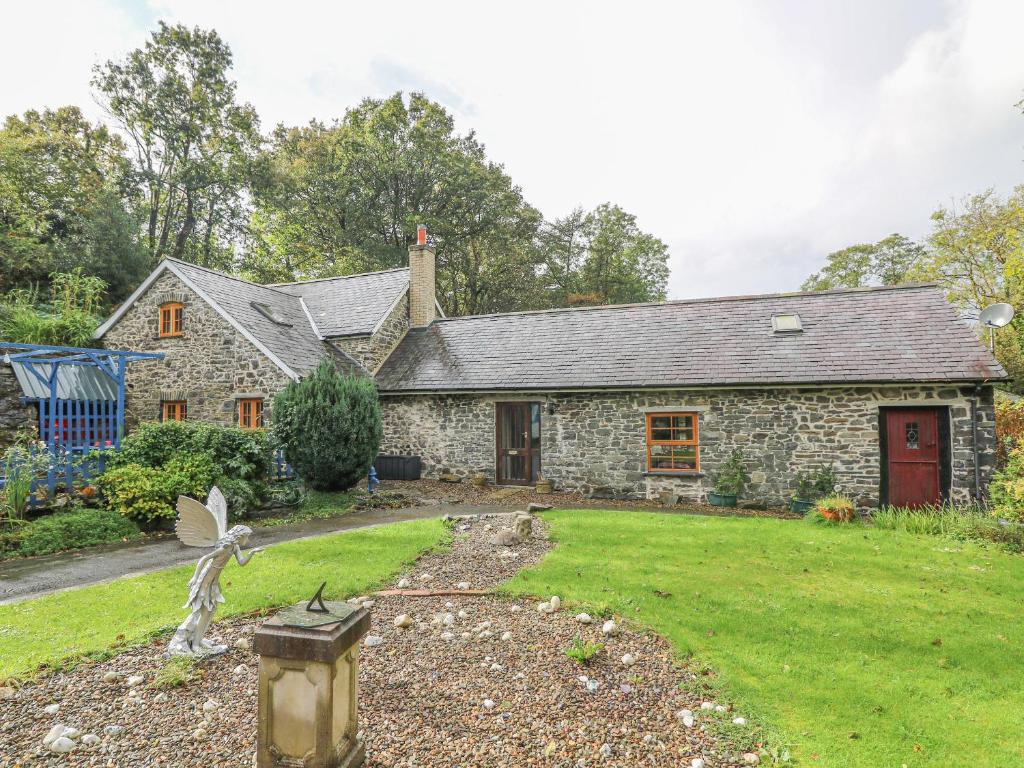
(350, 305)
(883, 335)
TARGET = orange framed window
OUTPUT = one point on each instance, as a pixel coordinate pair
(672, 442)
(250, 413)
(171, 317)
(174, 410)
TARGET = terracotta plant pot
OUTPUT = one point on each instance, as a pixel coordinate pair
(838, 515)
(87, 492)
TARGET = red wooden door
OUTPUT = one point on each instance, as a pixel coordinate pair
(912, 445)
(515, 461)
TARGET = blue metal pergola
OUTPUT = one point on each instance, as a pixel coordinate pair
(44, 363)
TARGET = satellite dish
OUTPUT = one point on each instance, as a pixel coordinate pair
(996, 316)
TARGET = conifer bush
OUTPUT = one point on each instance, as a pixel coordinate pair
(329, 426)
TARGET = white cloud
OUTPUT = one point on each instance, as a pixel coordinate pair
(752, 137)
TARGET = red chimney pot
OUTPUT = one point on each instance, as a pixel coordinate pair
(421, 235)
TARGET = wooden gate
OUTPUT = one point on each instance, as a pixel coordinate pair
(913, 457)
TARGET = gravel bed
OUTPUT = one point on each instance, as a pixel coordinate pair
(492, 687)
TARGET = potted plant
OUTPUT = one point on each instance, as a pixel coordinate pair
(803, 497)
(479, 480)
(730, 480)
(837, 508)
(813, 486)
(543, 486)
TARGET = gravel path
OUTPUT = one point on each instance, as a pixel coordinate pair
(491, 687)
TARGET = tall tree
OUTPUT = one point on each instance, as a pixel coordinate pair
(347, 198)
(887, 262)
(65, 200)
(603, 257)
(193, 145)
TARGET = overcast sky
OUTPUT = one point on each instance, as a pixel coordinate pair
(753, 137)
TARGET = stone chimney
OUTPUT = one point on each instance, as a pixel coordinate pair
(422, 298)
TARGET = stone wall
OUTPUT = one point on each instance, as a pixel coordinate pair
(371, 351)
(210, 365)
(596, 442)
(14, 417)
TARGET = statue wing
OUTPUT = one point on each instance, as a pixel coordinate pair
(217, 504)
(196, 525)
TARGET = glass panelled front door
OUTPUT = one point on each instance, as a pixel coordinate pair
(518, 443)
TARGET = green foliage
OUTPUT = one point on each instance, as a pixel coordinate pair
(1006, 491)
(69, 319)
(817, 633)
(583, 652)
(959, 521)
(887, 262)
(178, 670)
(129, 611)
(70, 530)
(731, 478)
(149, 493)
(330, 427)
(24, 461)
(838, 506)
(235, 452)
(819, 484)
(1009, 428)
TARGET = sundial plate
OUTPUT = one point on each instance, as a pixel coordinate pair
(299, 616)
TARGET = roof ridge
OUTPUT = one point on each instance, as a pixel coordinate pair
(336, 277)
(700, 300)
(227, 275)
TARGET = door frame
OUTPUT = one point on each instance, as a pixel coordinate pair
(498, 479)
(943, 420)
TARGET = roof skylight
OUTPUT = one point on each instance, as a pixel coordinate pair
(269, 313)
(787, 323)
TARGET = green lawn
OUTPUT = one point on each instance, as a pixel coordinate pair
(859, 647)
(50, 629)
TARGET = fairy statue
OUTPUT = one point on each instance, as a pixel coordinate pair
(205, 525)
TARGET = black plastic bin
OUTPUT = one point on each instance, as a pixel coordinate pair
(398, 467)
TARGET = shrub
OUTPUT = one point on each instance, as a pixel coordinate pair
(330, 428)
(732, 477)
(24, 461)
(70, 530)
(149, 494)
(240, 458)
(1006, 491)
(816, 485)
(1009, 428)
(962, 522)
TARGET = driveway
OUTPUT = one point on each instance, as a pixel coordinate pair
(25, 578)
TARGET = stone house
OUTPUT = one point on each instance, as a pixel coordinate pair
(888, 385)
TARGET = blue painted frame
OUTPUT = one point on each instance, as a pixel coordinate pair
(112, 362)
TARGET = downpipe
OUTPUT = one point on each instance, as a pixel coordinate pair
(974, 446)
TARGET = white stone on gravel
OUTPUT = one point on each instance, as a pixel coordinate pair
(606, 750)
(719, 708)
(403, 621)
(556, 603)
(489, 704)
(368, 604)
(447, 635)
(55, 733)
(404, 584)
(544, 607)
(751, 758)
(610, 628)
(516, 608)
(425, 577)
(113, 677)
(134, 680)
(497, 667)
(506, 636)
(463, 615)
(71, 733)
(241, 669)
(161, 698)
(697, 762)
(6, 692)
(210, 706)
(371, 641)
(628, 660)
(462, 585)
(113, 730)
(592, 686)
(91, 740)
(198, 734)
(51, 709)
(241, 644)
(707, 705)
(63, 744)
(584, 618)
(739, 721)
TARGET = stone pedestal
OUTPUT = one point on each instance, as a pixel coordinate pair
(307, 692)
